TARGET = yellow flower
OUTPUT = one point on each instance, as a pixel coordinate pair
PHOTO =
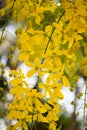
(57, 94)
(36, 68)
(52, 116)
(38, 20)
(70, 35)
(25, 126)
(47, 88)
(48, 30)
(85, 72)
(52, 126)
(18, 79)
(41, 118)
(10, 127)
(25, 56)
(2, 12)
(65, 81)
(18, 125)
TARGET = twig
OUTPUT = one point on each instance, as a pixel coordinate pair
(51, 35)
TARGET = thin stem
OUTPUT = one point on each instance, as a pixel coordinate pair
(13, 4)
(50, 40)
(3, 30)
(51, 35)
(7, 19)
(32, 116)
(84, 110)
(35, 126)
(43, 125)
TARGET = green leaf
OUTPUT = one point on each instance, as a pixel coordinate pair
(58, 11)
(79, 55)
(49, 18)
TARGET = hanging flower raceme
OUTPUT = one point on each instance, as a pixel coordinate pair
(48, 43)
(28, 104)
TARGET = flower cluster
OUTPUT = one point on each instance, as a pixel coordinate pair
(50, 43)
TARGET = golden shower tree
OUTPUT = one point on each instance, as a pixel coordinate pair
(52, 41)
